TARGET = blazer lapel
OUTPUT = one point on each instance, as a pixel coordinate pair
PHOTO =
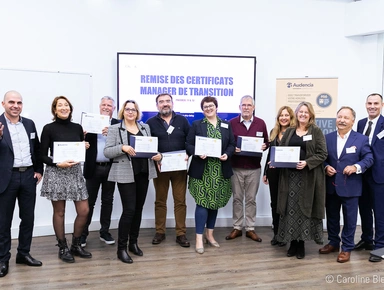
(349, 143)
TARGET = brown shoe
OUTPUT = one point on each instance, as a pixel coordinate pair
(234, 234)
(158, 238)
(252, 235)
(182, 241)
(343, 257)
(328, 249)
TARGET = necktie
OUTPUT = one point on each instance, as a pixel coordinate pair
(368, 129)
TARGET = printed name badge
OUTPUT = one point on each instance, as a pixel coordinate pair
(259, 134)
(380, 135)
(351, 150)
(224, 125)
(33, 135)
(307, 138)
(170, 129)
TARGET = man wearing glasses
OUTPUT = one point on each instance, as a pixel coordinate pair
(246, 171)
(171, 130)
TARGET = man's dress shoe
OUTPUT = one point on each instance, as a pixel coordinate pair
(158, 238)
(374, 259)
(234, 234)
(328, 249)
(363, 245)
(253, 236)
(27, 260)
(343, 257)
(4, 268)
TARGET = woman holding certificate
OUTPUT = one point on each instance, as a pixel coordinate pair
(301, 197)
(285, 118)
(209, 177)
(132, 175)
(64, 180)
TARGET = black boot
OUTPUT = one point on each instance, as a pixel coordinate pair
(123, 256)
(77, 250)
(64, 253)
(292, 249)
(134, 248)
(300, 250)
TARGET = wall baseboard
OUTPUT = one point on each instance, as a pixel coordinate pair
(146, 223)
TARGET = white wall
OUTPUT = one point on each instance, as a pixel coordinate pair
(289, 38)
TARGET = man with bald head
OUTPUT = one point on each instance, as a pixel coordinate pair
(20, 171)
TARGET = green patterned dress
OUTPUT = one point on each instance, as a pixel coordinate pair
(212, 191)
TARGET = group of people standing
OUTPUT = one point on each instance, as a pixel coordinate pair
(341, 169)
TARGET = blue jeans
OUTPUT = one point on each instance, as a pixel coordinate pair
(204, 216)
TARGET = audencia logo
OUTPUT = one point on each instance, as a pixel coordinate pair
(323, 100)
(299, 85)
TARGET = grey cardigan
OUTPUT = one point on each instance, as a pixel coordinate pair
(121, 169)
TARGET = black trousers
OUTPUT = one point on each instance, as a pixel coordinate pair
(273, 181)
(23, 188)
(100, 177)
(133, 197)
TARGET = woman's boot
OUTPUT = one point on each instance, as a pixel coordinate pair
(77, 250)
(300, 250)
(292, 248)
(64, 253)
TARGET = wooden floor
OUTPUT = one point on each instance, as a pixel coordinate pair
(238, 264)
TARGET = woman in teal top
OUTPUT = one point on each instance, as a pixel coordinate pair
(209, 177)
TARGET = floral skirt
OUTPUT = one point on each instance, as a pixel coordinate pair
(64, 184)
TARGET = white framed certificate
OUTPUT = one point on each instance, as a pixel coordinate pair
(94, 123)
(63, 151)
(207, 146)
(173, 161)
(250, 146)
(285, 156)
(145, 146)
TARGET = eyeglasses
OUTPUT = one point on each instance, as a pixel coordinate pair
(130, 101)
(246, 105)
(129, 110)
(208, 107)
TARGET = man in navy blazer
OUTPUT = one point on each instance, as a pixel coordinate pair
(373, 179)
(349, 155)
(20, 171)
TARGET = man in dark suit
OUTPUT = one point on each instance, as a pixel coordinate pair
(96, 170)
(373, 180)
(20, 172)
(349, 155)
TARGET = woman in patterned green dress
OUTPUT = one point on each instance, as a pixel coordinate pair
(209, 177)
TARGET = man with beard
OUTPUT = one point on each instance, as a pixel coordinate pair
(349, 155)
(171, 130)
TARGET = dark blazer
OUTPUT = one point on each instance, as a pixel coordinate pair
(377, 146)
(228, 144)
(6, 151)
(91, 153)
(341, 184)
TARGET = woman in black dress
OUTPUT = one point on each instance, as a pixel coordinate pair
(285, 118)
